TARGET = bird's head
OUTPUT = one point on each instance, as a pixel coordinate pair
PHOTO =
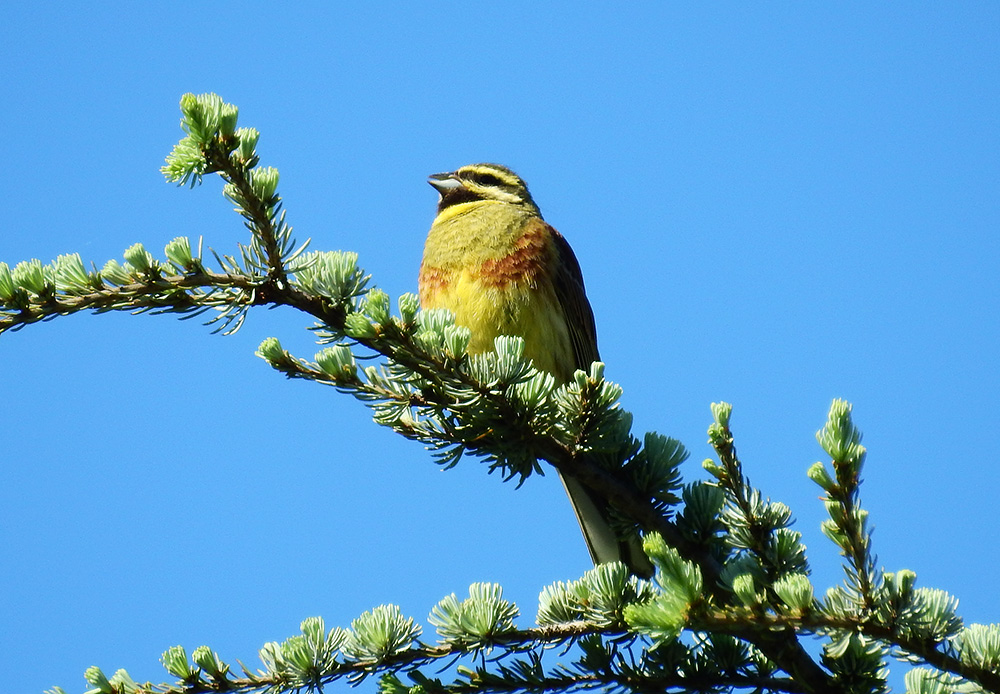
(481, 182)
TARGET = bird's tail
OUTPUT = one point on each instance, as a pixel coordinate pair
(592, 512)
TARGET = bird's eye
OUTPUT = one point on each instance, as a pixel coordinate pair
(485, 179)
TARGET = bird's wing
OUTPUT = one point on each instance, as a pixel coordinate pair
(592, 510)
(568, 284)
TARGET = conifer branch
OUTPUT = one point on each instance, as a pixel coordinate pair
(730, 571)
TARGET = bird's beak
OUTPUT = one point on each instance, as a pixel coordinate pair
(444, 182)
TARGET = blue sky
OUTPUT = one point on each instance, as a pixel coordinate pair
(772, 207)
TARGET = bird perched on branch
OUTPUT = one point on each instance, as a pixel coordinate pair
(494, 262)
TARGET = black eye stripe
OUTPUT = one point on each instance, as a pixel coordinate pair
(485, 179)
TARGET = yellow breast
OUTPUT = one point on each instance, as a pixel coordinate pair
(492, 267)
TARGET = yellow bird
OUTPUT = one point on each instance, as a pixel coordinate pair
(494, 262)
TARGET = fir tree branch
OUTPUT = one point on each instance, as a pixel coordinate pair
(658, 683)
(848, 524)
(498, 408)
(755, 531)
(171, 293)
(210, 675)
(781, 646)
(265, 219)
(745, 624)
(355, 670)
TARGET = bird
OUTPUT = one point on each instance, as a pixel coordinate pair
(501, 269)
